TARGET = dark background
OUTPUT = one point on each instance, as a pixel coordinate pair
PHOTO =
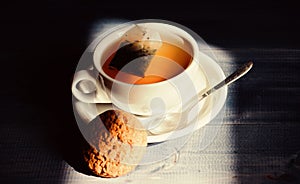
(42, 41)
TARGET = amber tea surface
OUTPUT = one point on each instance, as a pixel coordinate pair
(168, 61)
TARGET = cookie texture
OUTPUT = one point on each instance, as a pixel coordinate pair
(117, 143)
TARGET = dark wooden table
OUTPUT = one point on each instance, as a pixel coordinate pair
(258, 130)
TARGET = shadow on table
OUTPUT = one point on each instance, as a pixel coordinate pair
(41, 128)
(267, 118)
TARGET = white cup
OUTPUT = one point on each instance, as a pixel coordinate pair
(143, 99)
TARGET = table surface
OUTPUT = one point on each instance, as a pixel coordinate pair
(255, 138)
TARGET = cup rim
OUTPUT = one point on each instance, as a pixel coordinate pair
(187, 34)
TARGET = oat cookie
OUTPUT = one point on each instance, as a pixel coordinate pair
(117, 144)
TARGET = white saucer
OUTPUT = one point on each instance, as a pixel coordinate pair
(203, 115)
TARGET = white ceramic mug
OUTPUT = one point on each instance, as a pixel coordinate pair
(143, 99)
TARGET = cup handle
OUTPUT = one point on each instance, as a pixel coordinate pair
(98, 95)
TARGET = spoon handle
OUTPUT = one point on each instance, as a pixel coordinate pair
(230, 79)
(166, 122)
